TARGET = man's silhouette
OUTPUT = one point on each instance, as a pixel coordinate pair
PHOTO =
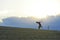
(39, 25)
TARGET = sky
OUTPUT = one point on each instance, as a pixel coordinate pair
(42, 9)
(24, 8)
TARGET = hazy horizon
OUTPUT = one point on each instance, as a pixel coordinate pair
(53, 22)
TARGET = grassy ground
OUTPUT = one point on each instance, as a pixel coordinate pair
(7, 33)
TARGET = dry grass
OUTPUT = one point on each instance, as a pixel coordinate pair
(7, 33)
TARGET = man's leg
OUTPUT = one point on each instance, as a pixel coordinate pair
(39, 27)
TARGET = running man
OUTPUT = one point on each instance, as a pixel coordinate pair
(39, 23)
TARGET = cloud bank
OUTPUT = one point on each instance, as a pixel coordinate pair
(53, 22)
(19, 22)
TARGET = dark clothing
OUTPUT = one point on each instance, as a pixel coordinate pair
(39, 25)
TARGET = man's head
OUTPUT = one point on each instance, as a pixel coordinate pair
(38, 22)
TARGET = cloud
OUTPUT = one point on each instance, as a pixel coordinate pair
(53, 22)
(19, 22)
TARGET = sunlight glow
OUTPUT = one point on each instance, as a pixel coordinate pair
(29, 8)
(42, 8)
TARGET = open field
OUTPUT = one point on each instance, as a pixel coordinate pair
(7, 33)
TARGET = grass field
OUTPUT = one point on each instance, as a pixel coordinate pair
(7, 33)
